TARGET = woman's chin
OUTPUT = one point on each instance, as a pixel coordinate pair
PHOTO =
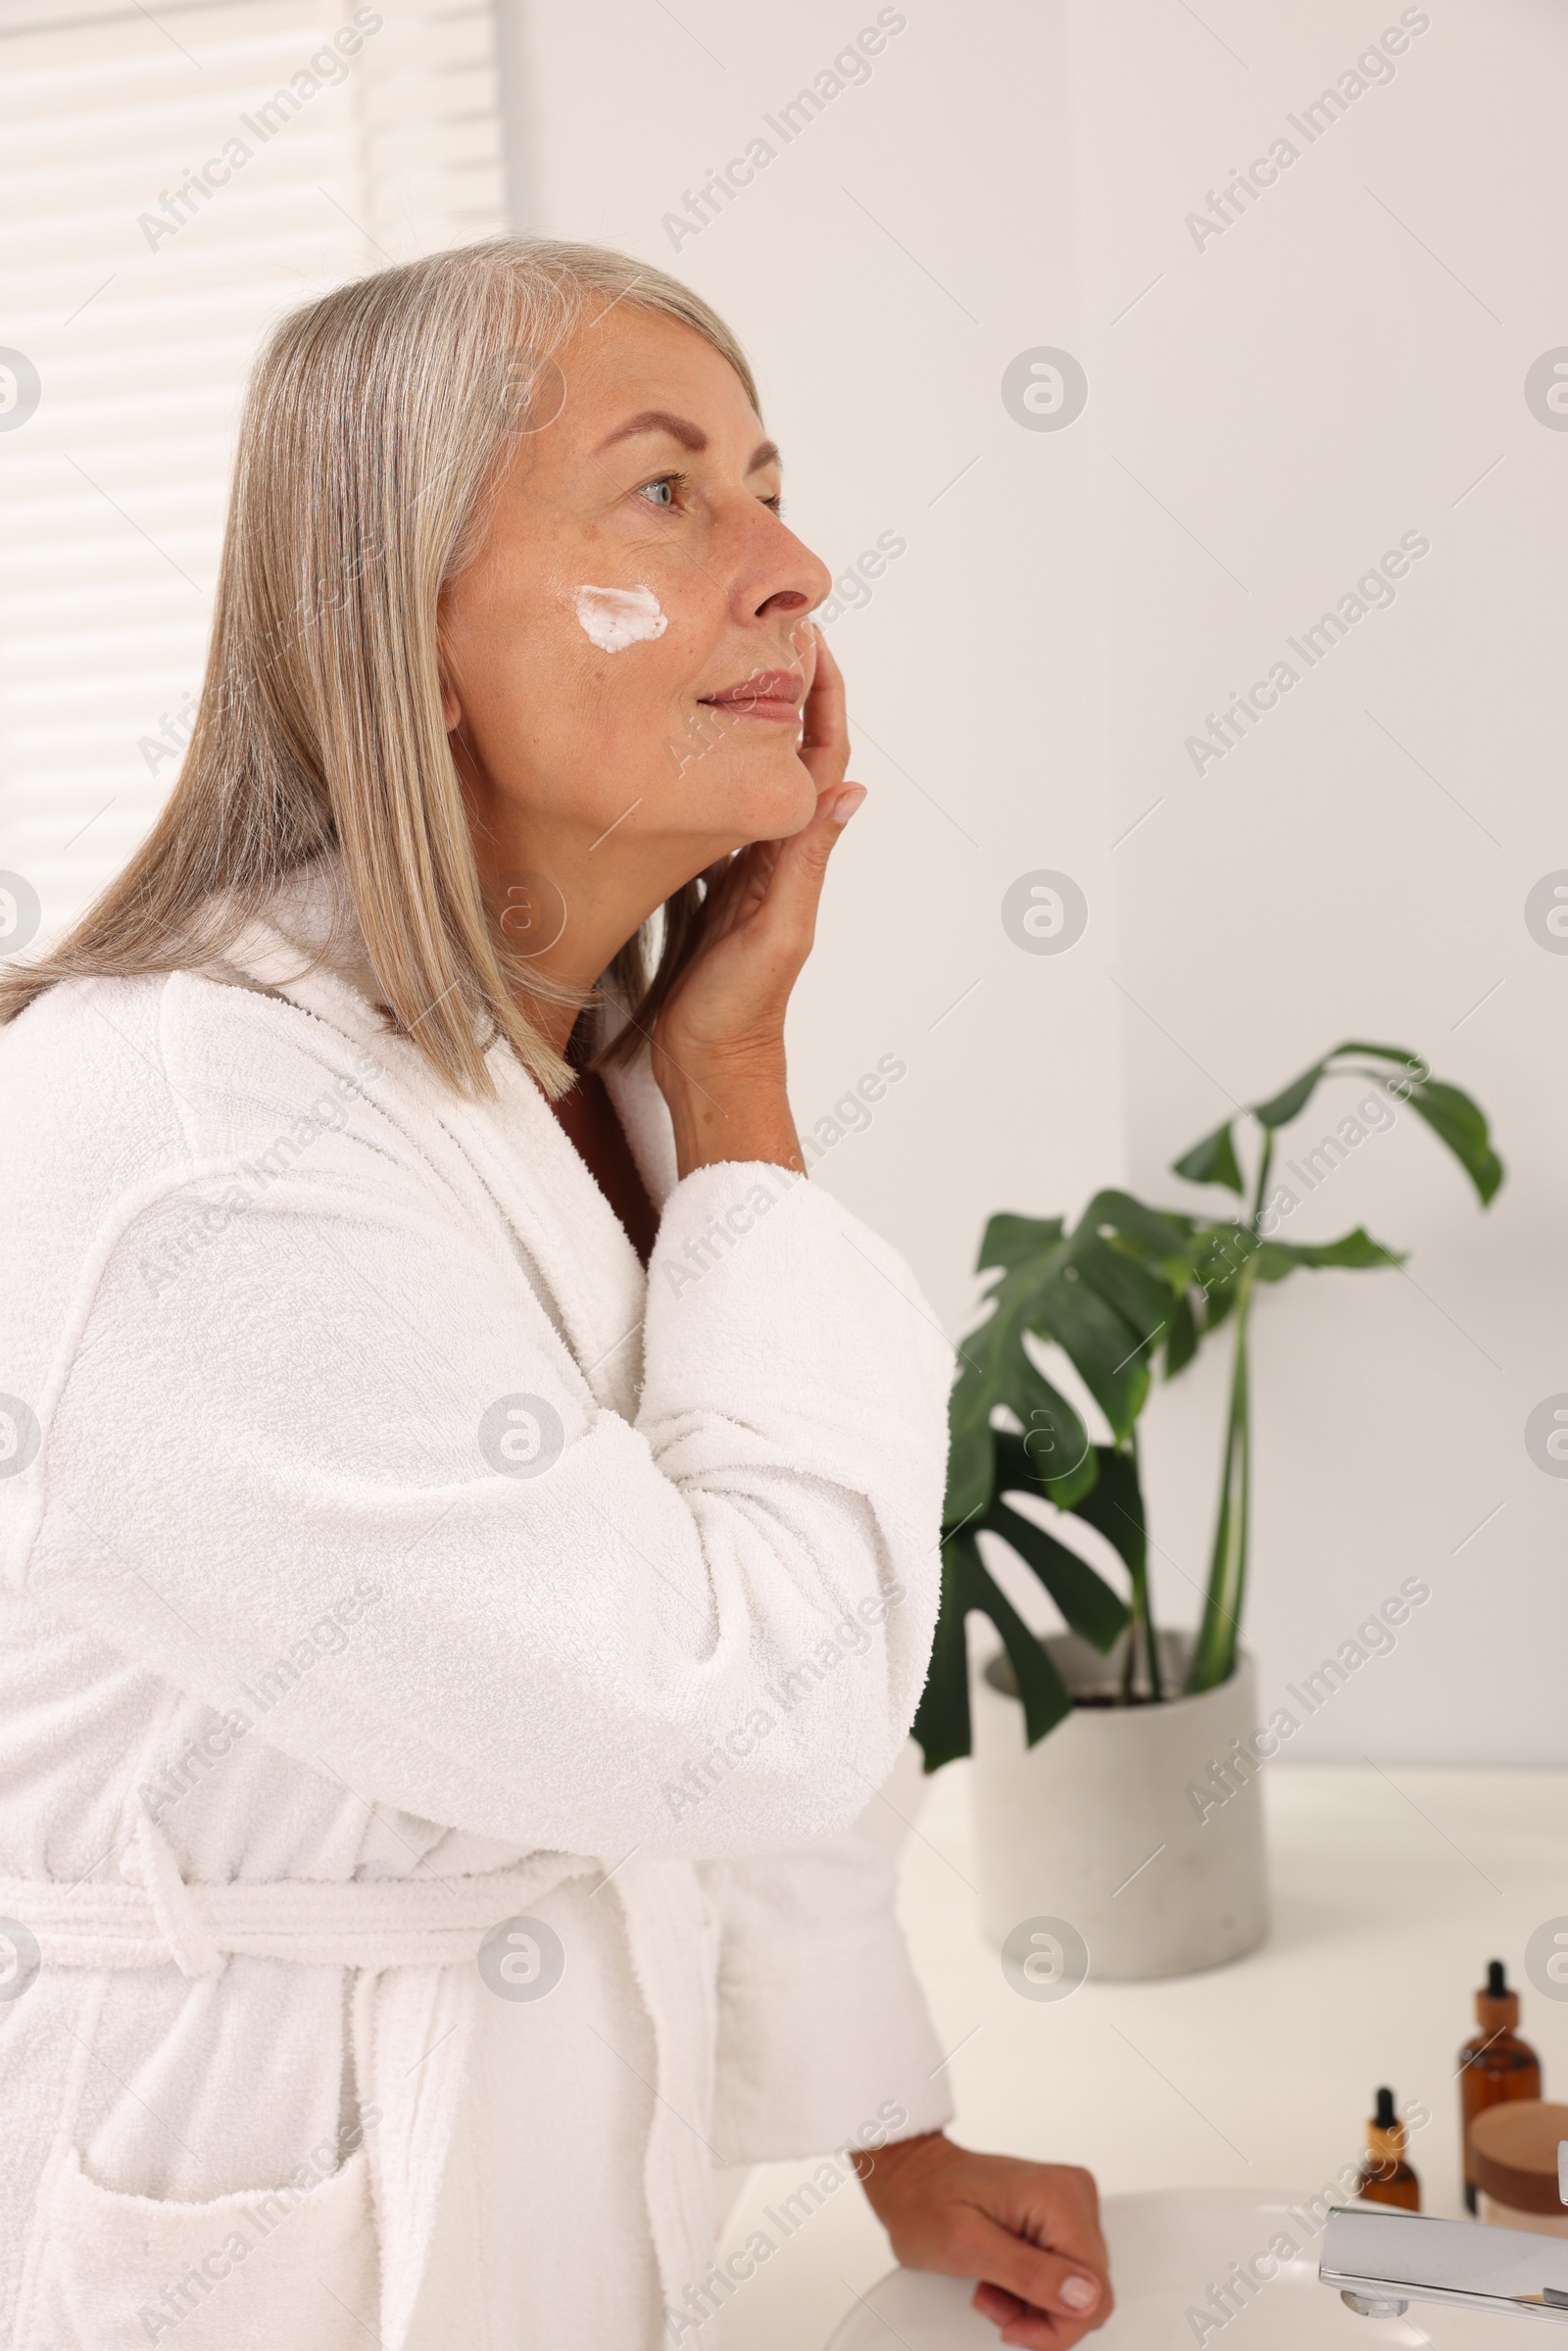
(769, 800)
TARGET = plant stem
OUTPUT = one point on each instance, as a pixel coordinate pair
(1140, 1628)
(1150, 1632)
(1264, 1159)
(1214, 1653)
(1157, 1688)
(1129, 1659)
(1140, 1618)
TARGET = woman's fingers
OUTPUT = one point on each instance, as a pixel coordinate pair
(1057, 2295)
(778, 883)
(731, 888)
(737, 985)
(826, 739)
(801, 865)
(1020, 2326)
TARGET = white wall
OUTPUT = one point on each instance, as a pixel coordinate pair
(1272, 414)
(1300, 391)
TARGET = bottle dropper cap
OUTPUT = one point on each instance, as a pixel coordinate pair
(1385, 2133)
(1497, 2007)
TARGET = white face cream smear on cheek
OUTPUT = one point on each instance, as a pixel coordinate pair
(616, 617)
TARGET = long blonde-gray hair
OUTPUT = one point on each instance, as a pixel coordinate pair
(377, 423)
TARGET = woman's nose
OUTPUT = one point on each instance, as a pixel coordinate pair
(788, 577)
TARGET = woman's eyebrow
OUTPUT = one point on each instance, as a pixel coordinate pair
(657, 419)
(680, 428)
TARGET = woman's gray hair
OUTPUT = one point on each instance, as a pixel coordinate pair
(378, 422)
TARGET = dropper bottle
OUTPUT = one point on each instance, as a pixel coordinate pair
(1385, 2177)
(1496, 2065)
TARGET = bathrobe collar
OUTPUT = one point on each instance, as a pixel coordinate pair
(576, 1251)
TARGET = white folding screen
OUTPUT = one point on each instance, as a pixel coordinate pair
(171, 181)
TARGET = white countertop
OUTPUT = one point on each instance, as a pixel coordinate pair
(1391, 1891)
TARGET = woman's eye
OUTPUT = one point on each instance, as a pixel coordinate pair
(660, 493)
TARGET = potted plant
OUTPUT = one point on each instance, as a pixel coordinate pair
(1099, 1827)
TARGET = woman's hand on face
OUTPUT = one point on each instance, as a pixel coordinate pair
(718, 1043)
(1028, 2231)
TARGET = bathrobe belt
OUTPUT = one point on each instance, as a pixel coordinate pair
(154, 1915)
(379, 1925)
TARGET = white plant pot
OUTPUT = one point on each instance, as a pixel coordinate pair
(1096, 1825)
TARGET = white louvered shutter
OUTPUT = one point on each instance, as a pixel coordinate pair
(136, 312)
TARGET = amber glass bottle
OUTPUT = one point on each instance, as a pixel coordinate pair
(1496, 2065)
(1386, 2178)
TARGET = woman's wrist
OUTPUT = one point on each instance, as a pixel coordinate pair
(879, 2164)
(729, 1105)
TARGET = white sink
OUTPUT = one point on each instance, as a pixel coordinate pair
(1167, 2249)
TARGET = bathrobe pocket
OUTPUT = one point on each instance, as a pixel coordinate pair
(260, 2271)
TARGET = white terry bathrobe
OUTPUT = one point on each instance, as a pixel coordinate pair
(441, 1670)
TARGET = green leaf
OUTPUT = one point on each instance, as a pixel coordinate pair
(1220, 1253)
(1181, 1340)
(1211, 1162)
(1115, 1508)
(1293, 1100)
(1224, 1247)
(1160, 1235)
(1021, 1467)
(1357, 1250)
(942, 1721)
(1001, 1372)
(1087, 1601)
(1461, 1124)
(995, 1370)
(1013, 1241)
(969, 1454)
(1142, 1299)
(1106, 1294)
(1108, 1352)
(1381, 1053)
(1453, 1115)
(1045, 1697)
(1289, 1104)
(1065, 1491)
(945, 1722)
(1054, 1437)
(1218, 1299)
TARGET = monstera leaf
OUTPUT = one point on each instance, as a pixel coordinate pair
(1125, 1288)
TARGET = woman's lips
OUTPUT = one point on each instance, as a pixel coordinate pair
(772, 694)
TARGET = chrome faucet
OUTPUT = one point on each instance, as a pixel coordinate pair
(1383, 2260)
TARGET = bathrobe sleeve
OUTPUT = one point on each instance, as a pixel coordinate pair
(824, 2038)
(314, 1450)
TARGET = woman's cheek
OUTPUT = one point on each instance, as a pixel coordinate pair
(615, 618)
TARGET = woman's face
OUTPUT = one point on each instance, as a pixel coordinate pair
(626, 661)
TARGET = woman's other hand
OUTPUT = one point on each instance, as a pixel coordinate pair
(1028, 2231)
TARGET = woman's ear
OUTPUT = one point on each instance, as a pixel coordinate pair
(451, 707)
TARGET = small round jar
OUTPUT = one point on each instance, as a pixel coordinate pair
(1514, 2152)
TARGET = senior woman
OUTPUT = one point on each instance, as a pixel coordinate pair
(469, 1522)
